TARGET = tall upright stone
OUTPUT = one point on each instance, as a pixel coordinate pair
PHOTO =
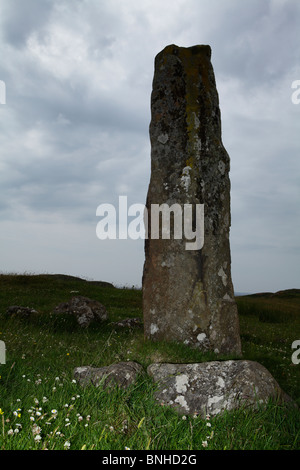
(188, 293)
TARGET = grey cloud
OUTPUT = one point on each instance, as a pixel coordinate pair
(21, 18)
(256, 41)
(75, 132)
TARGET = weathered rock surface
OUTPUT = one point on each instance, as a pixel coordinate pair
(212, 387)
(84, 309)
(122, 374)
(188, 293)
(129, 323)
(17, 310)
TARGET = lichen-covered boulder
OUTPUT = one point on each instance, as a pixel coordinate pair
(84, 309)
(19, 311)
(212, 387)
(122, 374)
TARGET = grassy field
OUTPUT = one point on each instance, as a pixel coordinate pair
(42, 407)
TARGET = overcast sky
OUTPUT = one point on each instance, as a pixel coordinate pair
(74, 132)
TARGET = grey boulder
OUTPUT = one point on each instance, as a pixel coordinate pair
(213, 387)
(84, 309)
(129, 323)
(17, 310)
(122, 374)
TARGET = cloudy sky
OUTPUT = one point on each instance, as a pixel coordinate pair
(74, 129)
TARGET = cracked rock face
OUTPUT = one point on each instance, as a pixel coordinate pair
(212, 387)
(188, 293)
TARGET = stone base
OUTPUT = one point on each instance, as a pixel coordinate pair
(213, 387)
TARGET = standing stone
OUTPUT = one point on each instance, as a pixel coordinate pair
(188, 293)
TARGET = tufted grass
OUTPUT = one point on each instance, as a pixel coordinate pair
(43, 350)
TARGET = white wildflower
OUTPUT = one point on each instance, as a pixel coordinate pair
(67, 445)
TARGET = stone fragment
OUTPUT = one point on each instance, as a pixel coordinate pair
(213, 387)
(122, 374)
(17, 310)
(129, 323)
(187, 291)
(84, 309)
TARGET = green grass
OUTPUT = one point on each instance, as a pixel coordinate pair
(43, 351)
